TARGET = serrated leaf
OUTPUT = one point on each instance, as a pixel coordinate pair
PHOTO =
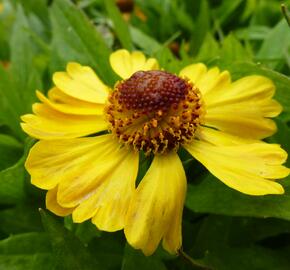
(232, 50)
(209, 49)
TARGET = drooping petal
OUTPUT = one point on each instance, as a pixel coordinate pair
(81, 82)
(52, 162)
(156, 207)
(125, 63)
(53, 206)
(49, 124)
(249, 167)
(109, 204)
(61, 102)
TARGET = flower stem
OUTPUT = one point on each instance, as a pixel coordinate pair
(196, 264)
(285, 13)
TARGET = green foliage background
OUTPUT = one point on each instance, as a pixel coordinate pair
(222, 229)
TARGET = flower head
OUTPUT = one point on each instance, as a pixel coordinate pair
(91, 176)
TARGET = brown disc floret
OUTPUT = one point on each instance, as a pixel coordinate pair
(154, 111)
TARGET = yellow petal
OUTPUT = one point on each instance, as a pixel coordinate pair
(49, 124)
(125, 63)
(61, 102)
(109, 203)
(156, 207)
(88, 172)
(82, 83)
(53, 206)
(241, 123)
(193, 72)
(250, 88)
(207, 81)
(248, 168)
(220, 138)
(50, 162)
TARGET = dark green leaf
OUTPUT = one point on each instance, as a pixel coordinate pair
(69, 251)
(227, 9)
(10, 151)
(21, 218)
(212, 196)
(215, 242)
(12, 183)
(134, 259)
(26, 251)
(108, 248)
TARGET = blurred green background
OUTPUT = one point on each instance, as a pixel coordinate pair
(222, 229)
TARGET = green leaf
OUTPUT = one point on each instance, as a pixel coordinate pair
(12, 183)
(76, 39)
(201, 27)
(108, 248)
(275, 45)
(282, 137)
(13, 179)
(148, 44)
(212, 196)
(120, 26)
(23, 54)
(216, 244)
(232, 51)
(10, 149)
(135, 259)
(209, 49)
(19, 219)
(255, 32)
(226, 10)
(69, 251)
(26, 251)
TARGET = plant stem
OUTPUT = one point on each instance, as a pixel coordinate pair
(193, 262)
(285, 13)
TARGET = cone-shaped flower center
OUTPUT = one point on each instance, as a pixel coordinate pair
(154, 111)
(152, 90)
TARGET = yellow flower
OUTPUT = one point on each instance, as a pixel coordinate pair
(92, 176)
